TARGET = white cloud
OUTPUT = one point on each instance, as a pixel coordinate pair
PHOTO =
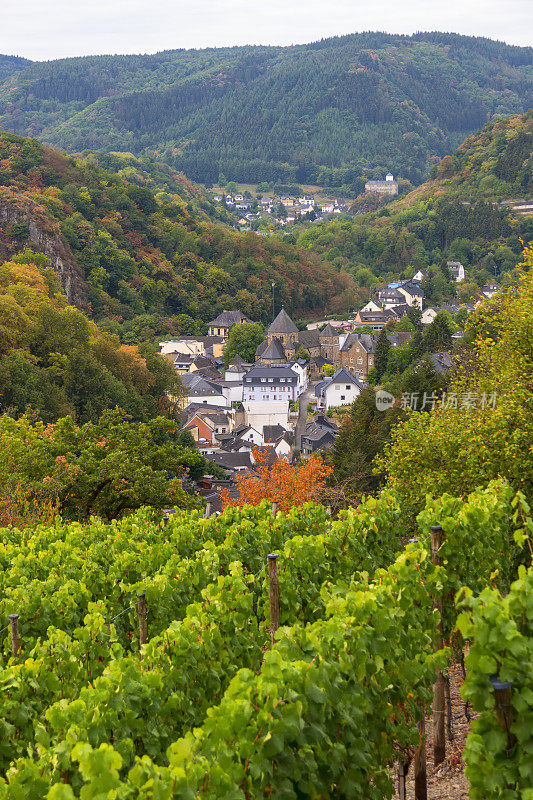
(58, 28)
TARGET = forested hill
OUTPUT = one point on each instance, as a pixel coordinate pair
(332, 112)
(146, 265)
(461, 214)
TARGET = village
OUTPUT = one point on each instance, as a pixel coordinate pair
(266, 214)
(285, 401)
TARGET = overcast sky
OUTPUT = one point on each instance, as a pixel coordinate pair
(47, 29)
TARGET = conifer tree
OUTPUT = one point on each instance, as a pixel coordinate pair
(382, 354)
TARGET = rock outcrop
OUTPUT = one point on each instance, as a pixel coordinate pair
(43, 235)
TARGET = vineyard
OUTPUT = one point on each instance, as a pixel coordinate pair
(254, 655)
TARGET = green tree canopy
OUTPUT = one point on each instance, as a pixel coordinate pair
(243, 341)
(106, 468)
(485, 427)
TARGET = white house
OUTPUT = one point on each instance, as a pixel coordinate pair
(283, 446)
(201, 390)
(252, 436)
(490, 289)
(457, 270)
(372, 305)
(420, 275)
(187, 345)
(428, 315)
(301, 369)
(271, 383)
(339, 390)
(259, 413)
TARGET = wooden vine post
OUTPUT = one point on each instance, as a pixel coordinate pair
(421, 783)
(273, 590)
(439, 738)
(403, 769)
(208, 508)
(142, 614)
(14, 625)
(274, 510)
(503, 705)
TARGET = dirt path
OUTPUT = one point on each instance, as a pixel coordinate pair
(447, 781)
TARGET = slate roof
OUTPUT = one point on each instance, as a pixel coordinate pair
(237, 360)
(271, 433)
(325, 422)
(397, 339)
(390, 294)
(275, 371)
(197, 385)
(309, 339)
(329, 330)
(188, 413)
(208, 372)
(202, 361)
(218, 418)
(274, 350)
(171, 357)
(231, 460)
(451, 309)
(442, 361)
(283, 324)
(317, 432)
(320, 361)
(412, 288)
(344, 376)
(380, 184)
(228, 318)
(261, 349)
(366, 340)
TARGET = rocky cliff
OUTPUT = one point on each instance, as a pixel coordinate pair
(24, 223)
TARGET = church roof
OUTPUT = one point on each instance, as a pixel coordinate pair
(274, 350)
(237, 360)
(283, 324)
(329, 330)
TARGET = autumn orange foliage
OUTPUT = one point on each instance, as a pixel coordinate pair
(21, 509)
(280, 482)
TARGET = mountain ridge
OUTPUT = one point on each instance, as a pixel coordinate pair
(330, 112)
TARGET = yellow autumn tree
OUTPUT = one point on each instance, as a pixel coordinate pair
(485, 428)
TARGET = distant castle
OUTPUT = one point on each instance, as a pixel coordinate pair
(388, 186)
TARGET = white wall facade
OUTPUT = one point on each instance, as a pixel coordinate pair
(259, 413)
(213, 400)
(340, 394)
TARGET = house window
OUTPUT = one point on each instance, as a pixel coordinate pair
(263, 380)
(337, 386)
(348, 386)
(359, 360)
(343, 397)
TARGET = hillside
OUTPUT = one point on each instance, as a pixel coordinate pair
(55, 361)
(454, 216)
(329, 113)
(146, 264)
